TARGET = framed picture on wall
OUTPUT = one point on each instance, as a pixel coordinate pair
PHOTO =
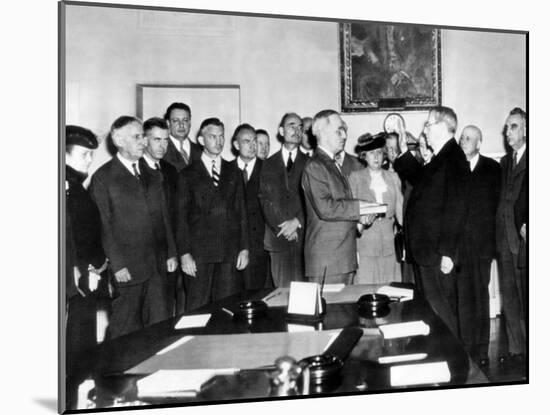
(389, 67)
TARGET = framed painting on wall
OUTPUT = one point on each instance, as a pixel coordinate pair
(389, 67)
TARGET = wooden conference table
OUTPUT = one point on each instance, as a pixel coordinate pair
(361, 372)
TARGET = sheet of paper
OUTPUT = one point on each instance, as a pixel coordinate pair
(333, 288)
(197, 320)
(303, 298)
(419, 374)
(293, 328)
(242, 351)
(404, 294)
(412, 328)
(384, 360)
(177, 343)
(277, 298)
(168, 382)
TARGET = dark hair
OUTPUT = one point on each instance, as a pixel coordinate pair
(155, 122)
(210, 121)
(447, 115)
(238, 130)
(262, 131)
(321, 115)
(519, 111)
(176, 106)
(282, 123)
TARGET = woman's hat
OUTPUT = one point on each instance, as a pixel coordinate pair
(80, 136)
(368, 142)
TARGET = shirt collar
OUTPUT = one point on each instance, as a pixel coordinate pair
(328, 153)
(249, 165)
(149, 160)
(306, 151)
(207, 161)
(285, 153)
(473, 162)
(128, 164)
(186, 144)
(520, 152)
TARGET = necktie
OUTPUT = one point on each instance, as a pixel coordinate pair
(215, 174)
(515, 158)
(157, 166)
(289, 162)
(184, 153)
(136, 172)
(338, 159)
(245, 173)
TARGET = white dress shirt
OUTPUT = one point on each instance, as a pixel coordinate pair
(520, 152)
(207, 161)
(249, 165)
(473, 162)
(128, 164)
(150, 162)
(293, 154)
(186, 144)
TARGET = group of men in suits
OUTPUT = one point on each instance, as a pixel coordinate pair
(459, 216)
(182, 227)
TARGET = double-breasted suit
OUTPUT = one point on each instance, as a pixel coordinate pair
(137, 235)
(281, 199)
(433, 222)
(332, 215)
(213, 228)
(174, 157)
(509, 245)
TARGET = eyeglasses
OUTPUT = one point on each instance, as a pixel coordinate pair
(429, 124)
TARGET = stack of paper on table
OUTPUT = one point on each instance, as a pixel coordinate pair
(334, 294)
(239, 351)
(196, 320)
(420, 374)
(404, 294)
(412, 328)
(169, 383)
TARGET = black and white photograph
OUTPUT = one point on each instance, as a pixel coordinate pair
(232, 232)
(277, 208)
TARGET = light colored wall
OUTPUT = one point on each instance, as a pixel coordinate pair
(281, 65)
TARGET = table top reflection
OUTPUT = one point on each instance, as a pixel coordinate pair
(361, 372)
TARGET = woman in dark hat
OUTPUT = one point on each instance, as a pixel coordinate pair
(375, 246)
(86, 263)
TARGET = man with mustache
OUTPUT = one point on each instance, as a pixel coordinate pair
(281, 200)
(136, 231)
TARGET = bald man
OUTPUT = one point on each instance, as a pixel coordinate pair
(477, 246)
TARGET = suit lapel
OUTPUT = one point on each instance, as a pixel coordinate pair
(521, 165)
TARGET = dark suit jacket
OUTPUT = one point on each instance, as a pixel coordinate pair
(169, 185)
(256, 222)
(281, 199)
(332, 216)
(351, 164)
(513, 180)
(436, 208)
(212, 221)
(483, 189)
(136, 229)
(174, 157)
